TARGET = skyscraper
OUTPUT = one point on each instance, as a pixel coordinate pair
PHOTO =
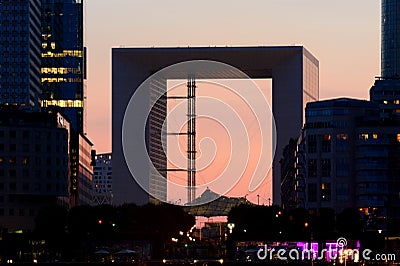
(20, 53)
(390, 47)
(63, 59)
(386, 90)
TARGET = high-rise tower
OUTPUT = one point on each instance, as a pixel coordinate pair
(386, 90)
(63, 59)
(390, 46)
(20, 53)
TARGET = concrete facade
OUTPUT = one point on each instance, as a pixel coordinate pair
(293, 69)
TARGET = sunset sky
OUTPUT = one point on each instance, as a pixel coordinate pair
(343, 35)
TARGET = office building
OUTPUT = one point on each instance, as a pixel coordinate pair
(288, 172)
(294, 174)
(346, 157)
(81, 167)
(102, 179)
(386, 92)
(390, 39)
(386, 89)
(330, 137)
(63, 59)
(63, 74)
(377, 164)
(20, 46)
(295, 75)
(34, 170)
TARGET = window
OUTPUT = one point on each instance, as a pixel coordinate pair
(326, 143)
(25, 147)
(13, 186)
(326, 167)
(342, 142)
(312, 143)
(13, 173)
(363, 136)
(312, 168)
(342, 166)
(326, 192)
(13, 134)
(312, 192)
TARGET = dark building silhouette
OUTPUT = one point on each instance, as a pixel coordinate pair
(288, 172)
(34, 170)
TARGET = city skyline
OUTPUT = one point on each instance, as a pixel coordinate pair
(346, 41)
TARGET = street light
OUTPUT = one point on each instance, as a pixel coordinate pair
(231, 226)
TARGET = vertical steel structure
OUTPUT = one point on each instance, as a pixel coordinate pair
(191, 138)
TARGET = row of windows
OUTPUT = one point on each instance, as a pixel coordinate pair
(100, 177)
(60, 70)
(26, 134)
(37, 187)
(100, 181)
(325, 143)
(36, 160)
(72, 80)
(326, 112)
(26, 173)
(325, 168)
(102, 186)
(65, 53)
(21, 212)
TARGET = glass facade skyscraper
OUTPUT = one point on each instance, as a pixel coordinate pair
(20, 53)
(63, 59)
(390, 47)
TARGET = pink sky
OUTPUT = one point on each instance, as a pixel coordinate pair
(344, 35)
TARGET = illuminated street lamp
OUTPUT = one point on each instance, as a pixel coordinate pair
(231, 226)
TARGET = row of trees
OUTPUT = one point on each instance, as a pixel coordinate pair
(83, 228)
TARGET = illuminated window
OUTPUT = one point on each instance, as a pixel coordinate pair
(396, 101)
(363, 136)
(374, 136)
(326, 191)
(342, 136)
(44, 45)
(398, 137)
(53, 45)
(385, 102)
(326, 143)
